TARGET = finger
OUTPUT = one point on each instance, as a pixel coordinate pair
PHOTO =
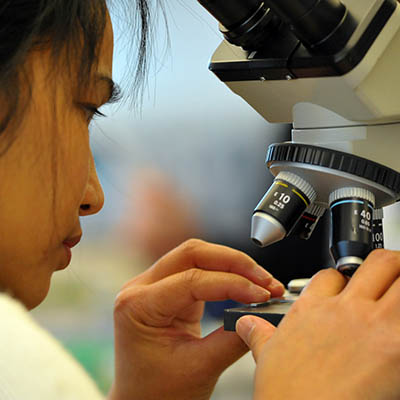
(199, 254)
(162, 301)
(221, 349)
(255, 332)
(325, 283)
(373, 278)
(391, 298)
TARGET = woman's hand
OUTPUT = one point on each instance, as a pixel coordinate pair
(160, 354)
(340, 340)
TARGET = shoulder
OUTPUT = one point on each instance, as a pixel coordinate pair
(33, 364)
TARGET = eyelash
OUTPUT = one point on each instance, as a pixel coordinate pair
(116, 95)
(92, 112)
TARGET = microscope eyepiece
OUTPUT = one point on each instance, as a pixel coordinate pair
(351, 227)
(280, 208)
(233, 12)
(323, 26)
(245, 23)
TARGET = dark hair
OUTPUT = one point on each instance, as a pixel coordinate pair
(75, 26)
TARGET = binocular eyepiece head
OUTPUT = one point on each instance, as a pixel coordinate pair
(323, 26)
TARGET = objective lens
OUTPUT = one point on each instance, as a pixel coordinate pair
(351, 228)
(280, 208)
(308, 221)
(377, 229)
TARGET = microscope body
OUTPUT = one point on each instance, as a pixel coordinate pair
(330, 68)
(357, 112)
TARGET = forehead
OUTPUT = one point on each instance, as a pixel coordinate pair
(106, 49)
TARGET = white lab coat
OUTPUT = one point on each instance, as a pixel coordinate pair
(33, 365)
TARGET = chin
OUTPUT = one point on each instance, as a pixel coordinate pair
(34, 295)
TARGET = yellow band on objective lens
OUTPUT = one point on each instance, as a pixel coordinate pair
(298, 194)
(282, 184)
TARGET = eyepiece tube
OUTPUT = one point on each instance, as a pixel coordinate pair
(231, 12)
(245, 23)
(321, 25)
(293, 10)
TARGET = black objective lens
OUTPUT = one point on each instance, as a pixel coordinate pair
(280, 208)
(245, 23)
(351, 227)
(321, 25)
(308, 221)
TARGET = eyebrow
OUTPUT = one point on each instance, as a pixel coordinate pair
(114, 90)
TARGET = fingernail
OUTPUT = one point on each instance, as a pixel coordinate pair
(244, 327)
(276, 285)
(260, 294)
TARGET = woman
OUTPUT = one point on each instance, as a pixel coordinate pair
(55, 71)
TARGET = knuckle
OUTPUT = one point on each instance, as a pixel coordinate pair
(324, 273)
(387, 257)
(192, 276)
(303, 303)
(126, 300)
(191, 245)
(244, 258)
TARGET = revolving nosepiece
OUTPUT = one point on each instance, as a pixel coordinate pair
(280, 208)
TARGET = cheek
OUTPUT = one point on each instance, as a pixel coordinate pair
(73, 170)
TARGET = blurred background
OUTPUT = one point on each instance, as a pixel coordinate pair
(189, 164)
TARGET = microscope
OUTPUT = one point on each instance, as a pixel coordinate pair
(331, 69)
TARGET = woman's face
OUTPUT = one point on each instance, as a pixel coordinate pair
(48, 178)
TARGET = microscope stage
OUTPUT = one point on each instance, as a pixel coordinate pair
(272, 311)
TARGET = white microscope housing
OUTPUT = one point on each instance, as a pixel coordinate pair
(331, 68)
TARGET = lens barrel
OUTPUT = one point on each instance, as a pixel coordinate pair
(351, 227)
(281, 208)
(308, 222)
(377, 230)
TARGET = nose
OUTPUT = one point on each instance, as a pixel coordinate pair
(93, 200)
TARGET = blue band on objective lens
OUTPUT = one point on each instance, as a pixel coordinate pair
(352, 202)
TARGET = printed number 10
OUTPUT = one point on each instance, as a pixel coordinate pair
(284, 198)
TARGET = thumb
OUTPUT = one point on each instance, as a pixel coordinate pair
(255, 332)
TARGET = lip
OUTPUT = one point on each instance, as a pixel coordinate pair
(70, 243)
(68, 253)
